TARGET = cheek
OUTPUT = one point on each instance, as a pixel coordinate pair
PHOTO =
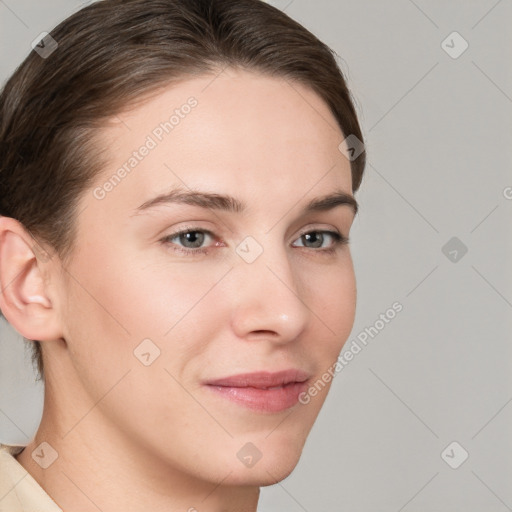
(332, 300)
(332, 295)
(176, 296)
(118, 307)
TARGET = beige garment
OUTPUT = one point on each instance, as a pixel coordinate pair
(19, 491)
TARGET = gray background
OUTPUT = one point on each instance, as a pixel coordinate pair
(438, 132)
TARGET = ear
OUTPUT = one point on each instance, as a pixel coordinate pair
(24, 292)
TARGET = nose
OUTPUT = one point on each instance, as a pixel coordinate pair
(270, 302)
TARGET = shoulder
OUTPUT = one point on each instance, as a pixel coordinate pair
(19, 491)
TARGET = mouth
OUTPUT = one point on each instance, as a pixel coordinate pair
(262, 391)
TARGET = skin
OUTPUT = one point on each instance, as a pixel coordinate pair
(134, 437)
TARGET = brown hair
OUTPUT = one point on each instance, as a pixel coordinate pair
(113, 53)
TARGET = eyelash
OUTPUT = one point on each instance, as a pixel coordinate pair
(339, 240)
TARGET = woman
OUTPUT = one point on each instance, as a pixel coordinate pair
(177, 184)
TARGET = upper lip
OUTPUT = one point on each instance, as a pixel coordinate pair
(262, 380)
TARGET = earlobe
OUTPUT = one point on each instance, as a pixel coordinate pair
(24, 299)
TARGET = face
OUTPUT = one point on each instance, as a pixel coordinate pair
(152, 318)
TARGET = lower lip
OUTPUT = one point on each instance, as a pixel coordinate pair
(263, 400)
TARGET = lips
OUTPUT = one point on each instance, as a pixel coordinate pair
(262, 391)
(261, 380)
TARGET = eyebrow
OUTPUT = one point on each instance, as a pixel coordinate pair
(231, 204)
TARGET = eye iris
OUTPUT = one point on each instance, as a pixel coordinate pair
(192, 236)
(315, 235)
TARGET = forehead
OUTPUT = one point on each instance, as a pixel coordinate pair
(238, 132)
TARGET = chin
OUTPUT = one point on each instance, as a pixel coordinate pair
(263, 474)
(276, 462)
(279, 472)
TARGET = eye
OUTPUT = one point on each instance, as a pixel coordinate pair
(192, 240)
(317, 238)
